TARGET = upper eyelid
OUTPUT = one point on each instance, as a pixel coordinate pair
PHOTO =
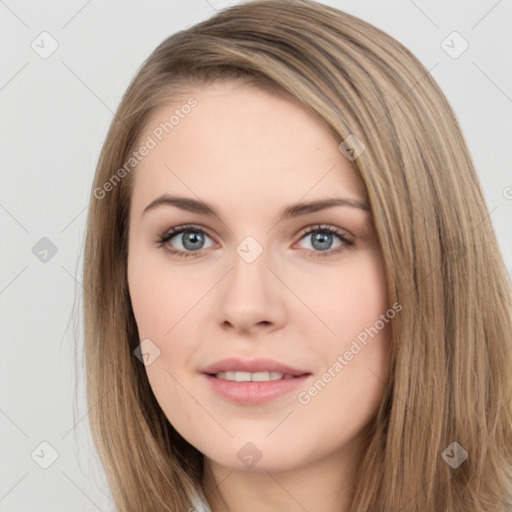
(178, 230)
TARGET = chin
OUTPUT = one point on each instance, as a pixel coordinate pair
(253, 454)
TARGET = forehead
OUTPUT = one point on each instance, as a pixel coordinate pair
(238, 141)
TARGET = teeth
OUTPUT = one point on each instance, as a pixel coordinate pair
(252, 377)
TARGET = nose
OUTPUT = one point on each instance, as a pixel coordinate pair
(251, 297)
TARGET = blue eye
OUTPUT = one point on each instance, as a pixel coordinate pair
(322, 237)
(193, 238)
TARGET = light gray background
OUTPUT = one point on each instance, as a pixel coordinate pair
(55, 115)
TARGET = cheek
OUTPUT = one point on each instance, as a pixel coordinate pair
(356, 358)
(350, 298)
(365, 299)
(356, 352)
(163, 304)
(160, 298)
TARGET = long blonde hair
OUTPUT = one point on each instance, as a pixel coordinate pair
(451, 360)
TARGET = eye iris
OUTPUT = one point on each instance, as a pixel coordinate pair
(192, 237)
(321, 238)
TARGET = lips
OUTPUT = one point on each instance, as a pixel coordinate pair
(253, 382)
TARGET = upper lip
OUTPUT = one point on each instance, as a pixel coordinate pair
(251, 365)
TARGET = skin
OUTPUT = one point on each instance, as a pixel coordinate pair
(251, 153)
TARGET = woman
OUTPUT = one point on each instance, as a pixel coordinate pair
(231, 367)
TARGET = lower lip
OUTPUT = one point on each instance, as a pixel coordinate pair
(254, 393)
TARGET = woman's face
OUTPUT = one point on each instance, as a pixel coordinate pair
(248, 293)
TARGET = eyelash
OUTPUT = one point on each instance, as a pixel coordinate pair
(168, 235)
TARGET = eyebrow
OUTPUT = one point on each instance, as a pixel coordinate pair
(294, 210)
